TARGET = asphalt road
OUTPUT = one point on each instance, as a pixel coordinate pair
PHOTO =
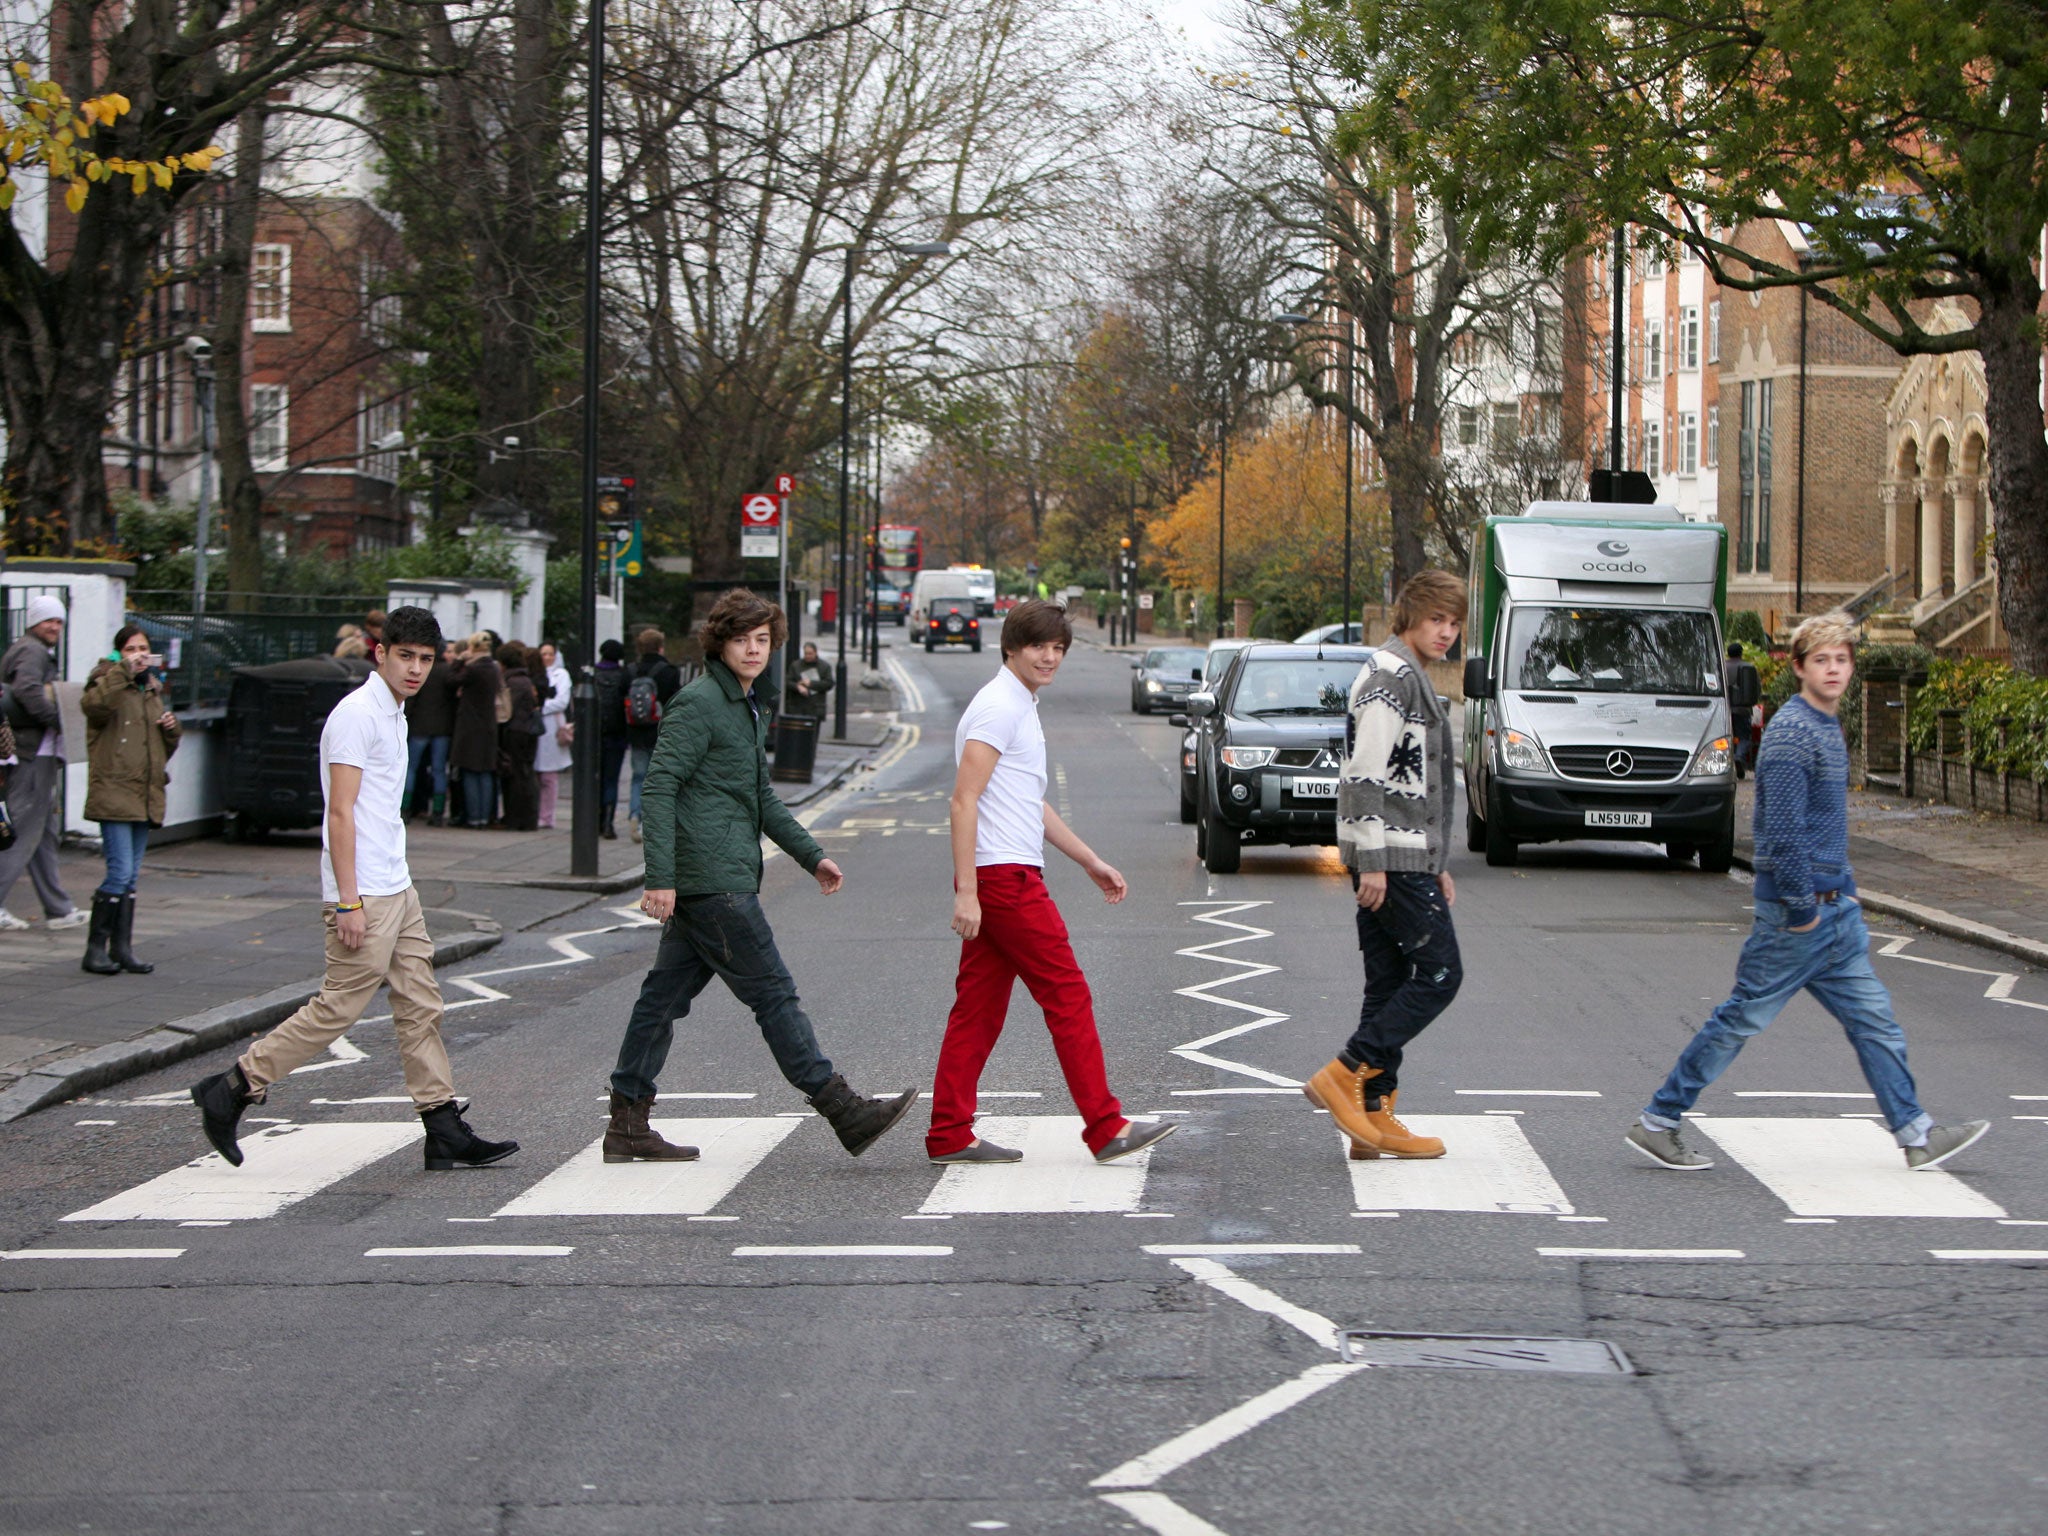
(261, 1367)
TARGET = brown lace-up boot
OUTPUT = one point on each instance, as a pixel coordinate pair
(1341, 1090)
(629, 1138)
(1396, 1140)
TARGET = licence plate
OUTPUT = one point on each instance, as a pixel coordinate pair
(1617, 818)
(1316, 789)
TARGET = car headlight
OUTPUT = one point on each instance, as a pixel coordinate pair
(1714, 759)
(1522, 752)
(1152, 685)
(1248, 757)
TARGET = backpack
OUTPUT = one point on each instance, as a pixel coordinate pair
(611, 699)
(643, 701)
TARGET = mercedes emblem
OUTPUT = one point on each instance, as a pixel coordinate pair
(1620, 764)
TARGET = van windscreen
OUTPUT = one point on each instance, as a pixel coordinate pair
(1613, 650)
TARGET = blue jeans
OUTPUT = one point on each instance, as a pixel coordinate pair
(435, 750)
(479, 797)
(1412, 972)
(1832, 962)
(122, 842)
(642, 757)
(726, 936)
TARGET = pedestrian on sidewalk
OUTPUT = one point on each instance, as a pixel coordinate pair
(430, 734)
(556, 736)
(28, 673)
(376, 935)
(519, 741)
(650, 684)
(1004, 914)
(610, 682)
(130, 734)
(809, 682)
(473, 754)
(1808, 932)
(708, 802)
(1394, 799)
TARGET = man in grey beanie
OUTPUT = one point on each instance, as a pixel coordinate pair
(27, 672)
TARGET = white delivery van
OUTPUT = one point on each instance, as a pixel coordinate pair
(1593, 686)
(982, 583)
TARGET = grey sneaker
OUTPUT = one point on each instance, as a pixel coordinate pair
(1665, 1148)
(1137, 1136)
(1944, 1142)
(77, 917)
(979, 1151)
(9, 923)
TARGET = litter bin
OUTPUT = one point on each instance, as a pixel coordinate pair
(796, 748)
(275, 715)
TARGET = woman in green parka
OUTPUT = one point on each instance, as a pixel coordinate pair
(130, 734)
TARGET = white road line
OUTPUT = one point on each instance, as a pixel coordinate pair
(388, 1098)
(1158, 1513)
(1247, 970)
(1999, 990)
(913, 696)
(93, 1253)
(1788, 1093)
(1994, 1255)
(1528, 1093)
(842, 1251)
(1640, 1253)
(1242, 1250)
(1143, 1471)
(1057, 1174)
(587, 1185)
(1226, 1281)
(283, 1166)
(1222, 1093)
(1488, 1165)
(473, 1251)
(1836, 1167)
(344, 1053)
(996, 1093)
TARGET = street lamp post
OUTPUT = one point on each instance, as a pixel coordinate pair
(202, 385)
(853, 254)
(583, 697)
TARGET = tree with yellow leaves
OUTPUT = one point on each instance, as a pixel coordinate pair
(46, 132)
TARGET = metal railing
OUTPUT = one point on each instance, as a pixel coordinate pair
(201, 652)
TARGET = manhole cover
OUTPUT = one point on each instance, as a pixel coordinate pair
(1482, 1352)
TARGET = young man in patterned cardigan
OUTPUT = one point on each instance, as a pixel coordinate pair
(1809, 933)
(1394, 802)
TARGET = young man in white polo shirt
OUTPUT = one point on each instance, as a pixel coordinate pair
(1002, 910)
(375, 932)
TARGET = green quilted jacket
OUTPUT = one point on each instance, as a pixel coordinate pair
(707, 801)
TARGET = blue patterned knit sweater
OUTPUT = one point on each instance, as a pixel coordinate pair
(1802, 811)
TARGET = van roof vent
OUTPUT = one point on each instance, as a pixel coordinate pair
(1602, 512)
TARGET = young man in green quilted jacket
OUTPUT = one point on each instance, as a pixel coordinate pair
(705, 806)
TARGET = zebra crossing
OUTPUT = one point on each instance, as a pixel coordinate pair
(1819, 1169)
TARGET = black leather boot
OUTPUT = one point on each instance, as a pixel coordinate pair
(221, 1099)
(99, 936)
(629, 1138)
(451, 1141)
(605, 828)
(858, 1122)
(123, 947)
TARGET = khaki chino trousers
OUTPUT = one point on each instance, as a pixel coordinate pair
(395, 952)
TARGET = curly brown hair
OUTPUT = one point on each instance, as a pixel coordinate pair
(737, 612)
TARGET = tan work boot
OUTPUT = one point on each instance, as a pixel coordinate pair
(1341, 1091)
(1396, 1140)
(630, 1139)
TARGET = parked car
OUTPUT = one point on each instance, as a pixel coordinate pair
(1218, 656)
(890, 604)
(1164, 676)
(952, 621)
(1333, 634)
(1268, 744)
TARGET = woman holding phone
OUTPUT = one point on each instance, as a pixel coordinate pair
(130, 734)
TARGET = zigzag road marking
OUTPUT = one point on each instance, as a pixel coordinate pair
(1246, 970)
(2002, 982)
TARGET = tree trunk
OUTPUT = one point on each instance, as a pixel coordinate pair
(1407, 469)
(2019, 469)
(241, 497)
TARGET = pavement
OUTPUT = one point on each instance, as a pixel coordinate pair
(233, 931)
(777, 1339)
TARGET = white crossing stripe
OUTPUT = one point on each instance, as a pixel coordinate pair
(93, 1253)
(469, 1251)
(1991, 1255)
(1639, 1253)
(282, 1166)
(1057, 1174)
(1488, 1165)
(587, 1185)
(842, 1251)
(1833, 1167)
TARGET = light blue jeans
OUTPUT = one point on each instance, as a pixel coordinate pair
(1832, 962)
(643, 758)
(122, 842)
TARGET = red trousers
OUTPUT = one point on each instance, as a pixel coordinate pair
(1021, 935)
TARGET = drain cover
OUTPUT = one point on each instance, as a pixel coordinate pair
(1482, 1352)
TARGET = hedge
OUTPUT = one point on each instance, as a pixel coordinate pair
(1986, 692)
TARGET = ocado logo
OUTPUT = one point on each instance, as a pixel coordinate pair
(1619, 567)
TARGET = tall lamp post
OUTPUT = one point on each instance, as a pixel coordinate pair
(853, 254)
(1292, 318)
(583, 841)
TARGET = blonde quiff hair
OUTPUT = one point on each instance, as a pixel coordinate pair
(1823, 629)
(1425, 594)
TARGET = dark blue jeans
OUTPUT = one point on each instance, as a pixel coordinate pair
(1412, 972)
(726, 936)
(610, 760)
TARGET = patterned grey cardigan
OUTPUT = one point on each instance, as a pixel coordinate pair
(1394, 795)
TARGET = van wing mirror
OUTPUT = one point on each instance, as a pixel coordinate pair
(1478, 678)
(1201, 705)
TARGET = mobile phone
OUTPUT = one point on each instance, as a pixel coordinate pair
(153, 662)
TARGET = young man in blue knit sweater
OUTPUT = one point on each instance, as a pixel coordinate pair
(1809, 931)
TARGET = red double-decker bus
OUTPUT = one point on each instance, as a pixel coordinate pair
(902, 551)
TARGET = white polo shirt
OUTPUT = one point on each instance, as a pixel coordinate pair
(1010, 821)
(367, 731)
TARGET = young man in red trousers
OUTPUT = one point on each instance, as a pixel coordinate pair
(1005, 915)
